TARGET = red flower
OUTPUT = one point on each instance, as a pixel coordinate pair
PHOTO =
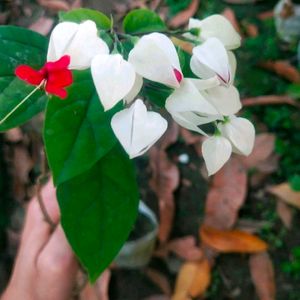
(56, 76)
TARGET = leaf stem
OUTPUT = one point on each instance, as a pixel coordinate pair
(22, 102)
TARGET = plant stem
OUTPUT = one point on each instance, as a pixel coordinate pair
(21, 103)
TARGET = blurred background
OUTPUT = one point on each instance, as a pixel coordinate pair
(259, 194)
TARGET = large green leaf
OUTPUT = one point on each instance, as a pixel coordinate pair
(77, 132)
(19, 46)
(98, 210)
(82, 14)
(143, 21)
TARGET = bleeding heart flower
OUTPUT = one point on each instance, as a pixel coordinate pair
(154, 57)
(216, 151)
(211, 59)
(240, 132)
(114, 79)
(219, 27)
(138, 129)
(56, 76)
(189, 108)
(80, 41)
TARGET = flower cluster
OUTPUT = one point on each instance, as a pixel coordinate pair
(209, 97)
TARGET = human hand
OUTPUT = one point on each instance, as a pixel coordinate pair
(45, 267)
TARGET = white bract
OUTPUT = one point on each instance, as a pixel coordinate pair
(154, 57)
(114, 78)
(189, 107)
(219, 27)
(80, 41)
(216, 151)
(212, 59)
(138, 129)
(240, 132)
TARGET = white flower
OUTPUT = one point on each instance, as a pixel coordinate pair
(154, 57)
(114, 78)
(135, 89)
(189, 108)
(216, 151)
(211, 59)
(219, 27)
(240, 132)
(138, 129)
(80, 41)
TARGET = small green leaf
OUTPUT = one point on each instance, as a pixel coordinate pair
(77, 132)
(19, 46)
(294, 90)
(82, 14)
(98, 210)
(295, 182)
(143, 21)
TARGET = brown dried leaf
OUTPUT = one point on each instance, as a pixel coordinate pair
(14, 135)
(186, 46)
(263, 148)
(186, 248)
(226, 241)
(43, 25)
(252, 30)
(266, 15)
(283, 69)
(262, 273)
(164, 181)
(170, 137)
(55, 5)
(270, 100)
(229, 14)
(193, 280)
(285, 213)
(226, 196)
(183, 17)
(286, 194)
(160, 280)
(190, 138)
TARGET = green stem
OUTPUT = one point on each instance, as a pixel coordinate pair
(21, 103)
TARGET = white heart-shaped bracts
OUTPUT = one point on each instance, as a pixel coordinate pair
(212, 59)
(80, 41)
(114, 78)
(154, 57)
(219, 27)
(138, 129)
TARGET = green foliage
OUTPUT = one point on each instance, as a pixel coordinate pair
(294, 90)
(143, 21)
(292, 267)
(82, 14)
(177, 6)
(295, 182)
(98, 209)
(19, 46)
(77, 132)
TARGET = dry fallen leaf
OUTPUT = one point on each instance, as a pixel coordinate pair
(193, 280)
(286, 194)
(164, 181)
(186, 248)
(270, 100)
(43, 25)
(283, 69)
(229, 14)
(14, 135)
(160, 280)
(226, 196)
(262, 273)
(55, 5)
(186, 46)
(231, 240)
(285, 213)
(252, 30)
(183, 17)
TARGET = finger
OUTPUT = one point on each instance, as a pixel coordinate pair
(57, 267)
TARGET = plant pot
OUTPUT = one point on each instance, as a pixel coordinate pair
(137, 251)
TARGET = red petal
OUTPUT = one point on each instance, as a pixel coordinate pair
(60, 64)
(178, 75)
(29, 75)
(54, 90)
(61, 78)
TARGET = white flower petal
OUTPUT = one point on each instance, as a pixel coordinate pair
(219, 27)
(113, 78)
(232, 64)
(204, 84)
(211, 58)
(135, 89)
(137, 129)
(241, 134)
(80, 41)
(216, 151)
(155, 58)
(225, 99)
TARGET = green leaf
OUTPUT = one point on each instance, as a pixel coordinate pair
(82, 14)
(143, 21)
(77, 132)
(19, 46)
(295, 182)
(294, 90)
(98, 210)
